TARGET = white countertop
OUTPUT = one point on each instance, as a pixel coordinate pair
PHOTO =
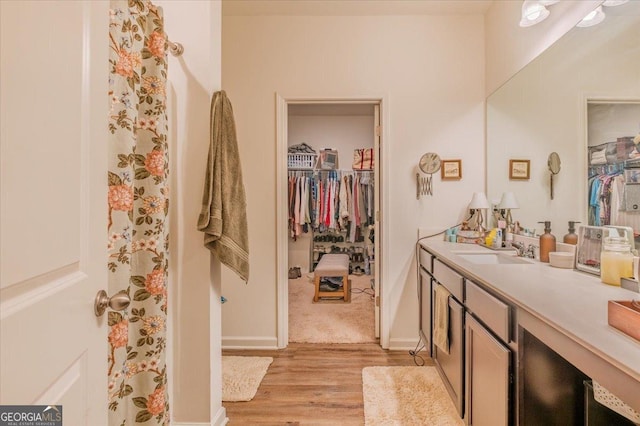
(570, 301)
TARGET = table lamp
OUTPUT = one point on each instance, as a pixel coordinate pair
(478, 203)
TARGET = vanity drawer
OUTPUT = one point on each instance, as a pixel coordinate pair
(494, 313)
(448, 278)
(426, 260)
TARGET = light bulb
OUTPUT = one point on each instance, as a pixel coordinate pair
(593, 18)
(532, 13)
(611, 3)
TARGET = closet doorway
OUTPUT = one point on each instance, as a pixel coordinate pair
(324, 128)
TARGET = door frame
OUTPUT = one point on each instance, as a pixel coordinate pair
(282, 241)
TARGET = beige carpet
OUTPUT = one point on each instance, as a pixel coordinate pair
(406, 396)
(241, 376)
(329, 321)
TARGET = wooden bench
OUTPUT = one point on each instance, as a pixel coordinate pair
(332, 265)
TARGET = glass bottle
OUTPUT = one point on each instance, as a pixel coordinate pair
(616, 260)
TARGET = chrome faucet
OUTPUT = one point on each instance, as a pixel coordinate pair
(519, 248)
(529, 252)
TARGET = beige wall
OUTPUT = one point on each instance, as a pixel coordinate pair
(430, 72)
(510, 47)
(195, 367)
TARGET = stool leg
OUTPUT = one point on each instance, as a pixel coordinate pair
(316, 282)
(345, 287)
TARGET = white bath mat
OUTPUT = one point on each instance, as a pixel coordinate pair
(241, 376)
(406, 396)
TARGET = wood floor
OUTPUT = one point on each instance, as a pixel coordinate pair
(313, 384)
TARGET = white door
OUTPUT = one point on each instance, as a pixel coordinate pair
(377, 228)
(53, 116)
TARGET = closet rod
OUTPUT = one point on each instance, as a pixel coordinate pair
(292, 169)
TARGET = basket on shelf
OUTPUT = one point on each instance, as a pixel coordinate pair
(301, 161)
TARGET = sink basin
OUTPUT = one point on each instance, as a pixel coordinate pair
(493, 259)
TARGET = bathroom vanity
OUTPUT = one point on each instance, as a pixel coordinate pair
(525, 338)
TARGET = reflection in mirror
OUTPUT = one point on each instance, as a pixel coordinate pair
(543, 109)
(614, 163)
(553, 162)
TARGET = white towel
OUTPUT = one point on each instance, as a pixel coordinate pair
(599, 157)
(441, 318)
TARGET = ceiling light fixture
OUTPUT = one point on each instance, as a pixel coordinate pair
(533, 12)
(593, 18)
(611, 3)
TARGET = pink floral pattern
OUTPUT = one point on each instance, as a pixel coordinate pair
(156, 44)
(154, 163)
(118, 334)
(138, 205)
(155, 403)
(154, 284)
(120, 197)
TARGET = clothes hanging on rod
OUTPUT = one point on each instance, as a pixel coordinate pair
(619, 214)
(604, 169)
(600, 186)
(330, 201)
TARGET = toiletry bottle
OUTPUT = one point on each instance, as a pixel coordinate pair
(497, 242)
(571, 237)
(616, 260)
(488, 240)
(547, 242)
(508, 237)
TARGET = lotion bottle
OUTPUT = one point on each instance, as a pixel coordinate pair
(571, 237)
(547, 242)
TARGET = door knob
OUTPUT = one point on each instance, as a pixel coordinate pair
(117, 302)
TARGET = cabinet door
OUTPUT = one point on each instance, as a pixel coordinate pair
(488, 376)
(425, 310)
(451, 365)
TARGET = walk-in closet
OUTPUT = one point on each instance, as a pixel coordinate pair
(331, 199)
(614, 163)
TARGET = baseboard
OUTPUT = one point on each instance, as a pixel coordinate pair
(402, 344)
(220, 419)
(249, 343)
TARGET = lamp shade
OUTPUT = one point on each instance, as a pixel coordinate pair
(479, 201)
(508, 201)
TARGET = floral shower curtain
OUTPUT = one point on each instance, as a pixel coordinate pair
(138, 207)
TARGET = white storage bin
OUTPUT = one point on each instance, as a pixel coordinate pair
(301, 161)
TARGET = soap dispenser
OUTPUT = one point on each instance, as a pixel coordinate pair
(571, 237)
(547, 242)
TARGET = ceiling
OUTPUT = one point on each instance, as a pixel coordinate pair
(354, 7)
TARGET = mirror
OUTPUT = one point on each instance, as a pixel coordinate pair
(543, 109)
(553, 163)
(429, 164)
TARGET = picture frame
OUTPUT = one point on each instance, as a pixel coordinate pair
(451, 170)
(519, 169)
